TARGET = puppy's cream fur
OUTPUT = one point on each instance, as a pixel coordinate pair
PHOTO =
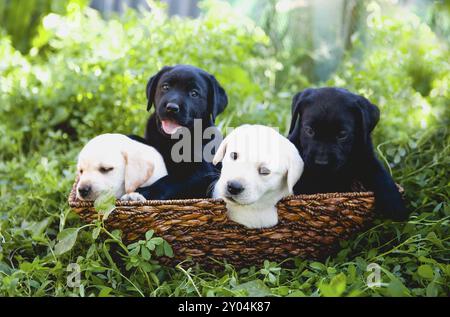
(258, 148)
(117, 164)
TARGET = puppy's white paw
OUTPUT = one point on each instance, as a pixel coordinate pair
(133, 197)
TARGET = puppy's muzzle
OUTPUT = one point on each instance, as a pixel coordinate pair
(172, 107)
(84, 191)
(321, 162)
(234, 187)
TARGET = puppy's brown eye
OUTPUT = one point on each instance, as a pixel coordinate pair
(262, 170)
(165, 87)
(194, 93)
(105, 170)
(81, 172)
(309, 131)
(342, 135)
(234, 155)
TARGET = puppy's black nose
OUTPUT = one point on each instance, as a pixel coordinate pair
(172, 107)
(84, 191)
(321, 162)
(235, 187)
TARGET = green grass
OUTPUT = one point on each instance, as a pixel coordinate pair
(40, 238)
(413, 255)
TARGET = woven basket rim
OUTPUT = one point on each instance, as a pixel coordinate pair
(309, 226)
(75, 203)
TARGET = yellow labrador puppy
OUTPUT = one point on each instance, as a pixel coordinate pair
(117, 164)
(259, 167)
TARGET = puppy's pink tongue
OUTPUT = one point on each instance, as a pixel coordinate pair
(169, 126)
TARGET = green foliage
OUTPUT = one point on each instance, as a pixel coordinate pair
(22, 18)
(292, 45)
(91, 79)
(101, 67)
(438, 17)
(407, 67)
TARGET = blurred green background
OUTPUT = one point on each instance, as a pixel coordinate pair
(69, 72)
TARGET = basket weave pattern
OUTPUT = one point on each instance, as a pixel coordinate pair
(310, 226)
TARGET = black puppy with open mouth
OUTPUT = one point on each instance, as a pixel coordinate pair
(331, 128)
(185, 97)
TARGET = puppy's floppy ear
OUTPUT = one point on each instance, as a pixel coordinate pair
(297, 107)
(294, 167)
(152, 84)
(218, 157)
(369, 115)
(138, 168)
(217, 98)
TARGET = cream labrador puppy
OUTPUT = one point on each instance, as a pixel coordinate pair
(117, 164)
(259, 167)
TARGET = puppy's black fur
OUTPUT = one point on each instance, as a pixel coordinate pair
(198, 95)
(331, 128)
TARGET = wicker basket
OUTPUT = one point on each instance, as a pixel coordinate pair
(310, 226)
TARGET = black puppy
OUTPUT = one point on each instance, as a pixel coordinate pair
(331, 128)
(182, 94)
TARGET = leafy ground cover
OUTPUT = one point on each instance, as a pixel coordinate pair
(85, 75)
